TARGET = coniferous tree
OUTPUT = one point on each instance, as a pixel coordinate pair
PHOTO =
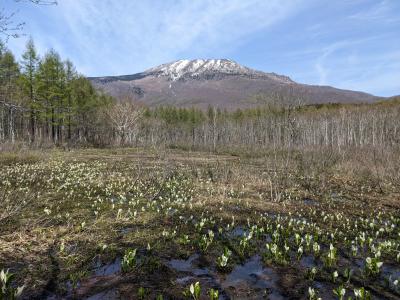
(86, 104)
(9, 72)
(30, 61)
(50, 93)
(70, 76)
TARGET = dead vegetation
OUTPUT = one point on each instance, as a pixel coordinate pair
(68, 219)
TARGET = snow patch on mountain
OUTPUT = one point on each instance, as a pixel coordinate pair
(200, 68)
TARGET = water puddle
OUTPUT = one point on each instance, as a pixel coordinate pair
(185, 280)
(358, 263)
(193, 273)
(189, 266)
(251, 278)
(324, 290)
(108, 269)
(105, 286)
(238, 232)
(268, 238)
(112, 294)
(50, 296)
(391, 271)
(182, 265)
(127, 230)
(311, 202)
(308, 262)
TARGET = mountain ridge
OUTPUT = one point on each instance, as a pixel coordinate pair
(219, 82)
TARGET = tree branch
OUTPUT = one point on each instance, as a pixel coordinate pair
(8, 27)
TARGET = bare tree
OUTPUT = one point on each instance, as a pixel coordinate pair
(8, 26)
(124, 117)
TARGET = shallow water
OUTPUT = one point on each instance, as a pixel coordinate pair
(108, 269)
(308, 261)
(127, 230)
(182, 265)
(189, 266)
(253, 277)
(311, 202)
(238, 232)
(193, 273)
(391, 270)
(112, 294)
(324, 290)
(185, 280)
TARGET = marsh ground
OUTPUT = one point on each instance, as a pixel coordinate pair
(278, 225)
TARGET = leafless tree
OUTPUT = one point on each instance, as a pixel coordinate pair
(9, 27)
(124, 117)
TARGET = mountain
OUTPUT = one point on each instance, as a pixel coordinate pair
(221, 83)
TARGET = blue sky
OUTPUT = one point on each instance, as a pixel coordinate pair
(351, 44)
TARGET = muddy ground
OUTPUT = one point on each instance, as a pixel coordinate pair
(69, 220)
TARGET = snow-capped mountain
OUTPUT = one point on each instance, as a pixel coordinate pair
(207, 69)
(218, 82)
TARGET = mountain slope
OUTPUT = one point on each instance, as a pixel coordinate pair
(219, 82)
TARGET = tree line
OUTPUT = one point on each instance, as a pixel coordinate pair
(45, 99)
(337, 126)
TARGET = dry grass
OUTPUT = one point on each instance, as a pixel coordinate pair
(63, 212)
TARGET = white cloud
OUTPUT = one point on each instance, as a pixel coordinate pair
(375, 74)
(311, 42)
(378, 12)
(127, 36)
(330, 61)
(320, 65)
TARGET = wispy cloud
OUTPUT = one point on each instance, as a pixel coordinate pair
(322, 61)
(349, 44)
(380, 11)
(347, 57)
(135, 33)
(321, 68)
(380, 73)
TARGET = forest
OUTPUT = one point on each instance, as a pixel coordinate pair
(45, 99)
(45, 102)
